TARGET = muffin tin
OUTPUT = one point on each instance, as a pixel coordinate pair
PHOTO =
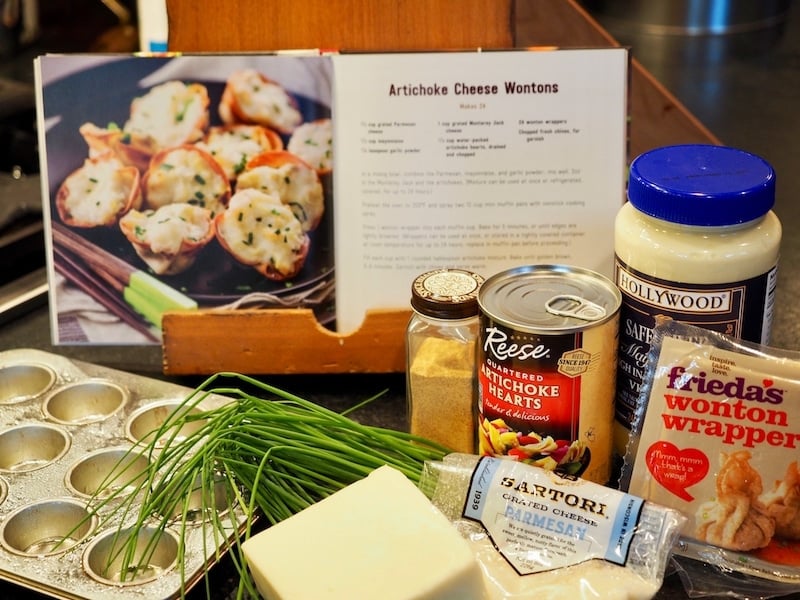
(65, 426)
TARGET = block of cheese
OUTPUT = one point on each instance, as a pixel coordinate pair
(379, 537)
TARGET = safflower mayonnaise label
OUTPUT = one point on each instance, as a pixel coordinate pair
(719, 440)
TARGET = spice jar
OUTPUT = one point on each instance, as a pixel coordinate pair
(440, 357)
(697, 241)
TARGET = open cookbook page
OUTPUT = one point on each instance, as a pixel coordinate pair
(193, 182)
(183, 183)
(478, 160)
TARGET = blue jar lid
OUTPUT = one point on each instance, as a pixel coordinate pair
(701, 184)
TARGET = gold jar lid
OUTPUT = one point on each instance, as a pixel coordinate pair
(446, 293)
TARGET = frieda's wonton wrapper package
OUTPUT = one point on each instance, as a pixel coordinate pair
(717, 437)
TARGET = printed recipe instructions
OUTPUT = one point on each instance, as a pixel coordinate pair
(479, 160)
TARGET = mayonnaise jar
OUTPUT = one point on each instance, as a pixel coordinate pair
(698, 242)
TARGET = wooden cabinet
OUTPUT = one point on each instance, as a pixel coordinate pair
(259, 25)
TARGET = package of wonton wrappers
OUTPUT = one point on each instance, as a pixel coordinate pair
(717, 437)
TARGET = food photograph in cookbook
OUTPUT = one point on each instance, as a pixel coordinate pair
(200, 181)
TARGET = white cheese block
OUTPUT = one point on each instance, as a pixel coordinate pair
(377, 538)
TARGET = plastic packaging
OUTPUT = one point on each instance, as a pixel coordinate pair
(716, 437)
(540, 534)
(440, 363)
(697, 242)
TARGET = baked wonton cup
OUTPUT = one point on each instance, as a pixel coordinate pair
(313, 142)
(186, 174)
(168, 115)
(291, 179)
(232, 146)
(134, 151)
(258, 231)
(98, 193)
(252, 97)
(168, 239)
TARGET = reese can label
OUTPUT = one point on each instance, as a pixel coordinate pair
(547, 355)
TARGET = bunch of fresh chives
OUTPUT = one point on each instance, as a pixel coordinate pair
(262, 453)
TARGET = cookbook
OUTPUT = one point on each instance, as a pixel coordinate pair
(316, 180)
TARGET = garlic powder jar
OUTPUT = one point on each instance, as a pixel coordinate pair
(697, 241)
(440, 350)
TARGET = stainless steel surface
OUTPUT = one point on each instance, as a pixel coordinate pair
(692, 17)
(23, 294)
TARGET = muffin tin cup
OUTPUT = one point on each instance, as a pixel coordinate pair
(107, 472)
(145, 424)
(85, 402)
(113, 560)
(207, 501)
(47, 528)
(72, 451)
(32, 446)
(22, 382)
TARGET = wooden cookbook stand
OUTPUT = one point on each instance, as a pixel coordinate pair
(277, 341)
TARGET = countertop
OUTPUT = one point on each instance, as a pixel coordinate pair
(745, 88)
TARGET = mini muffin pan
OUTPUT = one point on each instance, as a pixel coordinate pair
(65, 427)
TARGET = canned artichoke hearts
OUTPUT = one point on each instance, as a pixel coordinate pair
(547, 356)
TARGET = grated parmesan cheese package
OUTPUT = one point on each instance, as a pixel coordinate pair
(546, 535)
(717, 437)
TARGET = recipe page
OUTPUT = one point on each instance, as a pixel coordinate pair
(477, 160)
